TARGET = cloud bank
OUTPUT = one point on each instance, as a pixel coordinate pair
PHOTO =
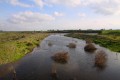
(30, 17)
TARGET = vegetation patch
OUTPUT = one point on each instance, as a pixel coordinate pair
(15, 45)
(100, 59)
(90, 47)
(61, 57)
(71, 45)
(111, 32)
(111, 42)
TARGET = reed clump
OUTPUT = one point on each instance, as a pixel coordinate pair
(71, 45)
(61, 57)
(100, 59)
(90, 47)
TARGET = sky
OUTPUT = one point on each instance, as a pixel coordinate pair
(27, 15)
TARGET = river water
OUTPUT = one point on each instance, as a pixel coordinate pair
(38, 64)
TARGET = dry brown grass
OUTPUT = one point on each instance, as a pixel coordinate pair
(90, 47)
(71, 45)
(61, 57)
(100, 59)
(88, 41)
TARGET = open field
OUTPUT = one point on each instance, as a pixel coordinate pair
(15, 45)
(111, 41)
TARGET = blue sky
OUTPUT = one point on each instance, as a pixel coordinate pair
(59, 14)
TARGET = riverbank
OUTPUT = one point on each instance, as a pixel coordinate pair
(111, 42)
(15, 45)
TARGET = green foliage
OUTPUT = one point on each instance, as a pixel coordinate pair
(13, 46)
(111, 32)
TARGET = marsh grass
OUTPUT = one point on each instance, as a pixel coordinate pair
(90, 47)
(61, 57)
(100, 59)
(110, 41)
(13, 49)
(71, 45)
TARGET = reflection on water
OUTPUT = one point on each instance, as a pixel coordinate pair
(8, 69)
(38, 65)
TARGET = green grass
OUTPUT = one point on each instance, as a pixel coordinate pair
(111, 42)
(111, 32)
(14, 46)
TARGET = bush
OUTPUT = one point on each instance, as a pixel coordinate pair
(100, 59)
(71, 45)
(90, 47)
(61, 57)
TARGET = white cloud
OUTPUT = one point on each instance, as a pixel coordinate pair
(58, 13)
(71, 3)
(30, 17)
(105, 7)
(40, 3)
(16, 3)
(82, 14)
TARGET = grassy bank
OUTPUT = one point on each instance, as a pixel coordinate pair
(15, 45)
(111, 32)
(111, 42)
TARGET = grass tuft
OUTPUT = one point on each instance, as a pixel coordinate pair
(100, 59)
(71, 45)
(61, 57)
(90, 47)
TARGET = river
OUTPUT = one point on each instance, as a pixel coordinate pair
(38, 64)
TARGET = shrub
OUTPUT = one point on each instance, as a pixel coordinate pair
(71, 45)
(90, 47)
(100, 59)
(61, 57)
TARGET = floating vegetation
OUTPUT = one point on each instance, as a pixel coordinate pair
(61, 57)
(71, 45)
(100, 59)
(90, 47)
